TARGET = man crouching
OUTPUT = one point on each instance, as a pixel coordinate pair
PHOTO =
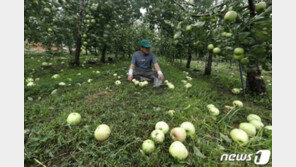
(142, 60)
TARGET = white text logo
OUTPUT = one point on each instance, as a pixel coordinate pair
(260, 158)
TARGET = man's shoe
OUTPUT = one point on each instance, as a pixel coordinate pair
(160, 86)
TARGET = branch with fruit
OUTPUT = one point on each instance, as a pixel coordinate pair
(211, 11)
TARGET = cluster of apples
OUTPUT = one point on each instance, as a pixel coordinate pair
(188, 78)
(117, 76)
(178, 134)
(101, 133)
(117, 82)
(30, 82)
(170, 85)
(246, 129)
(238, 53)
(187, 84)
(213, 109)
(141, 84)
(45, 64)
(214, 49)
(96, 72)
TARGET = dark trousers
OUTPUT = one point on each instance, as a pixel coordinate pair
(149, 74)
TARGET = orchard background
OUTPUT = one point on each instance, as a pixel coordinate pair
(83, 43)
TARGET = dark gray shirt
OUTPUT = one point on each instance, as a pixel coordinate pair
(143, 62)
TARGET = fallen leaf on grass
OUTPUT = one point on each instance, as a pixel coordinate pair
(198, 153)
(226, 138)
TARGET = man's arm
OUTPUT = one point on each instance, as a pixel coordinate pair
(131, 68)
(130, 72)
(157, 68)
(160, 74)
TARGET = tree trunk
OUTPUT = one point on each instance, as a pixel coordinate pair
(208, 68)
(254, 82)
(49, 48)
(103, 54)
(70, 49)
(180, 60)
(116, 51)
(78, 38)
(251, 8)
(86, 51)
(189, 58)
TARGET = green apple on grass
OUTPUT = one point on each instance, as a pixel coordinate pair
(178, 150)
(163, 126)
(189, 128)
(157, 136)
(74, 118)
(148, 146)
(102, 132)
(178, 134)
(250, 129)
(239, 136)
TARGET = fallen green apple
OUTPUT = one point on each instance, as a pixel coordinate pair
(189, 128)
(257, 124)
(178, 134)
(102, 132)
(74, 118)
(239, 136)
(157, 136)
(250, 129)
(178, 150)
(148, 146)
(251, 117)
(163, 126)
(237, 103)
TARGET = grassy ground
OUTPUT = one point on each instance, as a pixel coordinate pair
(226, 77)
(131, 112)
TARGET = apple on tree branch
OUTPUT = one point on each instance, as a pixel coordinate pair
(211, 11)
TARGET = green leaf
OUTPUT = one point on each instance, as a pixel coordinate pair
(198, 153)
(226, 138)
(198, 24)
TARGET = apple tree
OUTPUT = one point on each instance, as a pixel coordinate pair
(243, 25)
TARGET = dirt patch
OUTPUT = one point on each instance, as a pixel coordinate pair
(93, 97)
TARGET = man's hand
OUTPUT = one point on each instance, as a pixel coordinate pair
(130, 77)
(161, 77)
(130, 72)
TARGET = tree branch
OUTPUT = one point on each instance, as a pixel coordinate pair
(209, 13)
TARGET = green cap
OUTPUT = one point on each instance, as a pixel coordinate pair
(145, 43)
